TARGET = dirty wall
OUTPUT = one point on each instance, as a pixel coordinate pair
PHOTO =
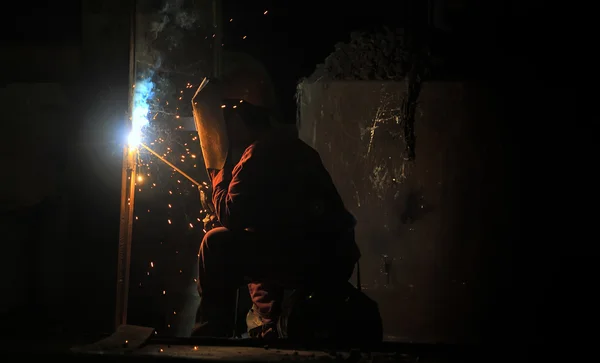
(433, 231)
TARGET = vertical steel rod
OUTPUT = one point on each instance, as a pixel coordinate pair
(127, 192)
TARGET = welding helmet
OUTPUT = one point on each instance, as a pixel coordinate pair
(253, 116)
(245, 78)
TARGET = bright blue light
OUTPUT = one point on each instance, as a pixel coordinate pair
(141, 96)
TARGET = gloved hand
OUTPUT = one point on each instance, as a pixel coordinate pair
(205, 202)
(210, 219)
(210, 222)
(222, 181)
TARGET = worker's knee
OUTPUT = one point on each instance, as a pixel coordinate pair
(215, 241)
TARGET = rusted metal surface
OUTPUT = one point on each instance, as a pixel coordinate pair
(125, 235)
(231, 353)
(268, 353)
(263, 354)
(423, 224)
(142, 344)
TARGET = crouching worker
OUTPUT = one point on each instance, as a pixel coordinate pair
(284, 225)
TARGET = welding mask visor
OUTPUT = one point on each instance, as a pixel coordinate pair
(210, 124)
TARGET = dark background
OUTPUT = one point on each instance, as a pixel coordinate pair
(290, 40)
(294, 37)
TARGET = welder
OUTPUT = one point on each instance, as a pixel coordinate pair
(284, 225)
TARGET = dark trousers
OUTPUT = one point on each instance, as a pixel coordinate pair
(269, 262)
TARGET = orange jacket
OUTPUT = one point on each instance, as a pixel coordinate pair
(279, 184)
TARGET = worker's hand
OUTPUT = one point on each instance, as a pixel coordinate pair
(210, 222)
(205, 201)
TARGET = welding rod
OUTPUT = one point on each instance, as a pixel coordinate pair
(171, 165)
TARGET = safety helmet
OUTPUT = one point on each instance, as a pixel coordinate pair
(245, 78)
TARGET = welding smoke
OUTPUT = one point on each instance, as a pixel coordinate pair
(172, 12)
(172, 17)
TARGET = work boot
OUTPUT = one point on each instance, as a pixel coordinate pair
(259, 328)
(267, 331)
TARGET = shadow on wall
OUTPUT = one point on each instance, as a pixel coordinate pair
(56, 220)
(34, 205)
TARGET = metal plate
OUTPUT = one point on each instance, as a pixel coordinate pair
(127, 338)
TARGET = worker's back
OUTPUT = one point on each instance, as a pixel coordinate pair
(298, 195)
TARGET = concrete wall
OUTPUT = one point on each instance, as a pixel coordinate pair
(442, 222)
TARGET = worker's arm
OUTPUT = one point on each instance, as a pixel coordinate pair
(236, 192)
